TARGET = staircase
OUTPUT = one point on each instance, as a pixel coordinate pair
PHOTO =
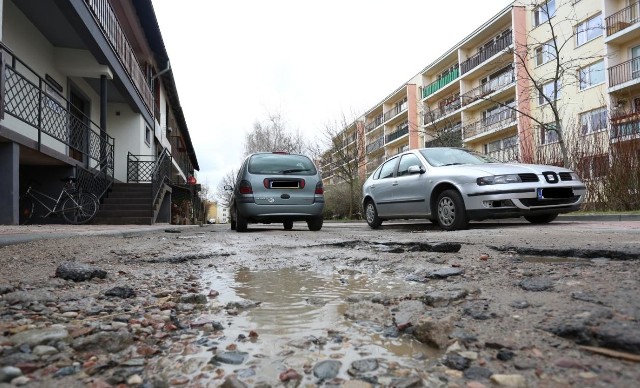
(126, 203)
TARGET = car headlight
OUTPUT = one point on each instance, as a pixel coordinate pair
(574, 177)
(498, 179)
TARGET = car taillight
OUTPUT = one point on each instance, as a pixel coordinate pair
(301, 183)
(245, 188)
(319, 188)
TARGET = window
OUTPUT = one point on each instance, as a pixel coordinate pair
(545, 52)
(589, 30)
(548, 134)
(544, 12)
(593, 120)
(386, 171)
(548, 92)
(591, 75)
(147, 135)
(405, 162)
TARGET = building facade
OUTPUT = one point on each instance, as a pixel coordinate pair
(86, 90)
(539, 80)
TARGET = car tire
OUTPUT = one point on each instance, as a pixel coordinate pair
(371, 215)
(451, 212)
(241, 223)
(232, 221)
(315, 224)
(541, 218)
(288, 225)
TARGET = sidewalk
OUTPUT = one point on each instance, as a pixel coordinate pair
(15, 234)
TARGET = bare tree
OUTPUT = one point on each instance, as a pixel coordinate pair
(443, 132)
(273, 135)
(344, 155)
(222, 195)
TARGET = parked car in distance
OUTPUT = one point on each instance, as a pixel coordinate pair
(451, 186)
(277, 187)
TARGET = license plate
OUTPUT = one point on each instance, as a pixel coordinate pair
(555, 193)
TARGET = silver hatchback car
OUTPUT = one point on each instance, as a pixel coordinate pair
(277, 187)
(451, 186)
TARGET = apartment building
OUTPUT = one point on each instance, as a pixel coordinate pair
(86, 90)
(501, 91)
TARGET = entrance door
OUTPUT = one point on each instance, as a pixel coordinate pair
(78, 126)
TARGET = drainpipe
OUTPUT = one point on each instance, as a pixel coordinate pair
(103, 121)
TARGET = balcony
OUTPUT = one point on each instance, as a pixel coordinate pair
(625, 125)
(622, 19)
(440, 83)
(375, 145)
(485, 89)
(501, 119)
(624, 72)
(394, 112)
(375, 123)
(180, 155)
(486, 53)
(397, 134)
(112, 30)
(373, 164)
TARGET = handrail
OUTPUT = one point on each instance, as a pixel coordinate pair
(624, 72)
(477, 59)
(502, 80)
(497, 120)
(623, 19)
(161, 174)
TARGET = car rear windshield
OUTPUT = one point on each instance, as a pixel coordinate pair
(453, 156)
(281, 164)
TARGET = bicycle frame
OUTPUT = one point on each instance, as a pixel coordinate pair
(39, 196)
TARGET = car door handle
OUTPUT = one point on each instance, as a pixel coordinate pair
(394, 184)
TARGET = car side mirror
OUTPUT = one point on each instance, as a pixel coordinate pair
(416, 170)
(228, 187)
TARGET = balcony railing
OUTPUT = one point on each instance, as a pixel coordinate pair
(397, 134)
(625, 125)
(393, 112)
(376, 144)
(180, 155)
(440, 83)
(475, 60)
(501, 119)
(624, 72)
(485, 89)
(622, 19)
(377, 121)
(438, 113)
(31, 99)
(113, 31)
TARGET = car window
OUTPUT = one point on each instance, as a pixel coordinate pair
(406, 161)
(281, 164)
(386, 171)
(453, 156)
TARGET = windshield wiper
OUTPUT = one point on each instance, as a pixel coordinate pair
(292, 170)
(451, 164)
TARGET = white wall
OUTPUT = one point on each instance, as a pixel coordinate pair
(127, 128)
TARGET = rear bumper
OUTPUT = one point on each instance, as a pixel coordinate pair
(279, 213)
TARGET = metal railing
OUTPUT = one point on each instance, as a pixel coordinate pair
(397, 134)
(625, 125)
(487, 88)
(440, 82)
(477, 59)
(394, 111)
(32, 100)
(112, 30)
(500, 119)
(624, 72)
(180, 155)
(506, 154)
(376, 144)
(375, 123)
(622, 19)
(161, 174)
(440, 112)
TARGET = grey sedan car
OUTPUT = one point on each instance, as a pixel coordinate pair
(277, 187)
(451, 186)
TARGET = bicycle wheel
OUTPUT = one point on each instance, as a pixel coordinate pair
(80, 208)
(26, 208)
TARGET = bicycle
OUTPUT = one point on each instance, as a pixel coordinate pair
(75, 206)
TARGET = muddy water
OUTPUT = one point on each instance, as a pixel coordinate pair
(300, 321)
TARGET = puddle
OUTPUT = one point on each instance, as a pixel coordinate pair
(297, 307)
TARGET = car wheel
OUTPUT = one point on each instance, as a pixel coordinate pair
(232, 221)
(288, 225)
(315, 224)
(541, 218)
(241, 223)
(452, 214)
(371, 214)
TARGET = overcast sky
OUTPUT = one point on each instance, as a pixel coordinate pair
(234, 62)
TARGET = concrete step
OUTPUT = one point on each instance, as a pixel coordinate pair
(122, 220)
